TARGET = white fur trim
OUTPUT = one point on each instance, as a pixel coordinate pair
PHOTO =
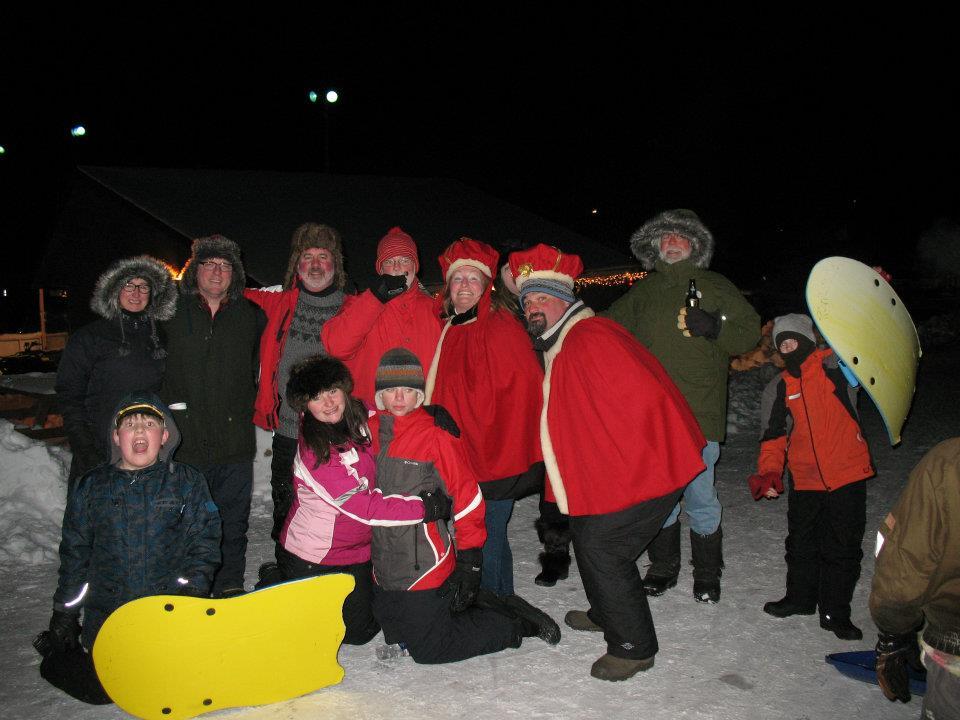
(549, 456)
(466, 261)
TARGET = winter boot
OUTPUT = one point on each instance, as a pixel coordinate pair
(610, 667)
(841, 627)
(707, 557)
(555, 561)
(785, 607)
(664, 554)
(535, 622)
(269, 574)
(581, 620)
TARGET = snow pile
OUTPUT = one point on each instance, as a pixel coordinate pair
(743, 401)
(33, 492)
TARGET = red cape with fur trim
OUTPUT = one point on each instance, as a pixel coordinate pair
(619, 430)
(488, 377)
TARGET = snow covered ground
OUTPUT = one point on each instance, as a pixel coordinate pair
(726, 662)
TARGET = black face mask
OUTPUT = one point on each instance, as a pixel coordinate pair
(793, 360)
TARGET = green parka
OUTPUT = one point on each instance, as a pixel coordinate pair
(697, 365)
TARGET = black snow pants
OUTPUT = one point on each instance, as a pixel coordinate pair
(72, 672)
(231, 486)
(281, 483)
(825, 546)
(421, 620)
(607, 547)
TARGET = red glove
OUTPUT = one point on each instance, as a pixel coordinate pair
(759, 484)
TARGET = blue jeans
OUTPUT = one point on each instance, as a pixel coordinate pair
(700, 497)
(497, 573)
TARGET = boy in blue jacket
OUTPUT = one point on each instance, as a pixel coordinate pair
(139, 525)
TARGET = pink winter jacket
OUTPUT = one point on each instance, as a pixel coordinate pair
(336, 504)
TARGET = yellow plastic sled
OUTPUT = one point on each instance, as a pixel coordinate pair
(174, 657)
(868, 326)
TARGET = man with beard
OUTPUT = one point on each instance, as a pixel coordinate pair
(619, 443)
(695, 341)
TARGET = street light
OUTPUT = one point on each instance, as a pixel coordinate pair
(331, 96)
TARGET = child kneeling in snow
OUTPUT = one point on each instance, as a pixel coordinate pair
(814, 404)
(427, 595)
(140, 525)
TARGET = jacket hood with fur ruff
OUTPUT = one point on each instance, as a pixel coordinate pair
(645, 242)
(105, 301)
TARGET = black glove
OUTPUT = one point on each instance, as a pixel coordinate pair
(464, 581)
(894, 653)
(64, 631)
(700, 323)
(436, 505)
(389, 287)
(443, 419)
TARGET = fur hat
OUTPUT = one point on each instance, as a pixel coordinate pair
(645, 242)
(311, 235)
(214, 246)
(467, 251)
(105, 301)
(544, 268)
(399, 368)
(795, 324)
(312, 376)
(397, 243)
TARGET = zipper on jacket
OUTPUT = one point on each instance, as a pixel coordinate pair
(416, 555)
(813, 445)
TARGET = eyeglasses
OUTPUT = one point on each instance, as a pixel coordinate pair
(211, 265)
(141, 288)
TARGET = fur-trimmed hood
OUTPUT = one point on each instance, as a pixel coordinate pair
(645, 242)
(215, 246)
(105, 301)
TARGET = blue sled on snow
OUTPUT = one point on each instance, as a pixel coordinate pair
(862, 665)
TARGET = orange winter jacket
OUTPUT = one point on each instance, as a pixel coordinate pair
(812, 422)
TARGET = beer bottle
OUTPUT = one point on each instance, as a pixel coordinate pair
(693, 297)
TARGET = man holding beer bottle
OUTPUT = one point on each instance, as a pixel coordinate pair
(693, 320)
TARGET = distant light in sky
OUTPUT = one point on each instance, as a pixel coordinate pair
(3, 150)
(312, 96)
(594, 211)
(78, 131)
(332, 96)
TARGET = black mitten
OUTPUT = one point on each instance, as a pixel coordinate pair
(894, 653)
(64, 631)
(700, 323)
(464, 582)
(436, 505)
(388, 287)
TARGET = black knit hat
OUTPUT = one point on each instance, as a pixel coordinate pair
(399, 368)
(314, 375)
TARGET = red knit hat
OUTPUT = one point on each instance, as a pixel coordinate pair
(397, 243)
(466, 251)
(544, 268)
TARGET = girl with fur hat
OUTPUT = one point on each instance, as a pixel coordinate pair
(118, 354)
(335, 499)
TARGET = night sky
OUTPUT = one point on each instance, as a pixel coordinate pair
(794, 135)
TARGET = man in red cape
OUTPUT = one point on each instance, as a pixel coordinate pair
(619, 443)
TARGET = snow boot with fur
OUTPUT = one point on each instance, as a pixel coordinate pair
(555, 560)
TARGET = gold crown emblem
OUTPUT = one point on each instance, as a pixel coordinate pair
(525, 269)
